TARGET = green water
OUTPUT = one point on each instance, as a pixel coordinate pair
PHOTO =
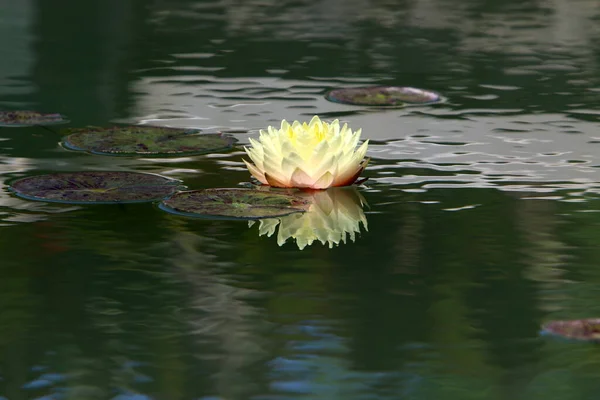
(483, 212)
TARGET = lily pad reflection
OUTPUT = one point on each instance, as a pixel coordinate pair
(577, 329)
(234, 204)
(383, 96)
(146, 141)
(334, 215)
(19, 119)
(102, 187)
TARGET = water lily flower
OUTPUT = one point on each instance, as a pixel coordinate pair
(333, 216)
(314, 155)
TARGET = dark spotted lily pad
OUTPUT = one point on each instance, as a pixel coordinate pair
(19, 119)
(102, 187)
(577, 329)
(146, 141)
(234, 204)
(383, 96)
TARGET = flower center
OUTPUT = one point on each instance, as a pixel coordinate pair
(313, 134)
(319, 134)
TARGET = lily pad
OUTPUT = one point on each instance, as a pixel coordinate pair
(577, 329)
(19, 119)
(101, 187)
(234, 204)
(386, 96)
(145, 140)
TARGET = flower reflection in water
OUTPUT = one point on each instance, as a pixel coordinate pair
(334, 215)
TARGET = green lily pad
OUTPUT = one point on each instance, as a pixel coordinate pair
(101, 187)
(234, 204)
(19, 119)
(577, 329)
(145, 140)
(386, 96)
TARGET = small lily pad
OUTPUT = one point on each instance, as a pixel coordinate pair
(19, 119)
(101, 187)
(577, 329)
(386, 96)
(145, 140)
(234, 204)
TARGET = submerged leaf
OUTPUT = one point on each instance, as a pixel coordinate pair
(19, 119)
(578, 329)
(100, 187)
(234, 204)
(386, 96)
(145, 140)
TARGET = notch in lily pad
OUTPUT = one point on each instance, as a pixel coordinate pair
(95, 187)
(146, 141)
(244, 204)
(577, 329)
(383, 96)
(24, 118)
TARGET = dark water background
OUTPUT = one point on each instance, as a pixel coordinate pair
(483, 217)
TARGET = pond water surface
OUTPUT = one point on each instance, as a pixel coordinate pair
(483, 212)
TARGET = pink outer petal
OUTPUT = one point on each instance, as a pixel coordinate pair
(255, 172)
(301, 179)
(353, 178)
(271, 181)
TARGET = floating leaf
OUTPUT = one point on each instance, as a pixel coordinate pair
(145, 140)
(388, 96)
(234, 203)
(100, 187)
(19, 119)
(577, 329)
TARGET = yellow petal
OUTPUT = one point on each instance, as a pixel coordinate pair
(290, 163)
(314, 122)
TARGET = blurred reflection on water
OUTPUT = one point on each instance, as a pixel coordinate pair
(483, 217)
(334, 217)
